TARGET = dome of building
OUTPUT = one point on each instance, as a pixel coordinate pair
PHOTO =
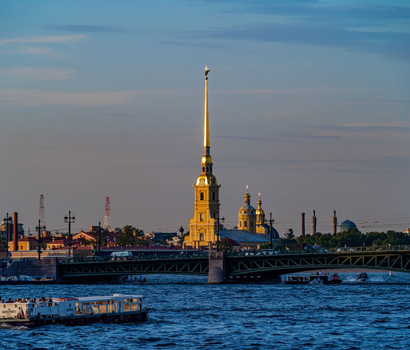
(246, 209)
(347, 225)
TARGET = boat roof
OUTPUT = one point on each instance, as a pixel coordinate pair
(109, 297)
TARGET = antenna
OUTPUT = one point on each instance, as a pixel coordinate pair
(41, 212)
(107, 215)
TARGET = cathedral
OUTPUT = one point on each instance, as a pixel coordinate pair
(204, 227)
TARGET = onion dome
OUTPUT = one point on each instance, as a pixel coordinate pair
(247, 209)
(260, 213)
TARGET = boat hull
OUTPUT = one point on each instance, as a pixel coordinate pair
(137, 317)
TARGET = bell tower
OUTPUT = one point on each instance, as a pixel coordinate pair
(203, 225)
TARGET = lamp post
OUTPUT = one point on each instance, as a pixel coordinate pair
(69, 219)
(99, 237)
(218, 232)
(39, 228)
(271, 221)
(7, 219)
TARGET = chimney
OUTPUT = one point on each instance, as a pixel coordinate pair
(16, 231)
(303, 224)
(334, 223)
(314, 222)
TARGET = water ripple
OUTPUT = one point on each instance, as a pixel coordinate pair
(187, 313)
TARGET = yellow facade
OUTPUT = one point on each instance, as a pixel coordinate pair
(24, 244)
(204, 223)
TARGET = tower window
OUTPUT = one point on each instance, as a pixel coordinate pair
(240, 223)
(245, 224)
(251, 224)
(203, 169)
(213, 196)
(201, 196)
(201, 217)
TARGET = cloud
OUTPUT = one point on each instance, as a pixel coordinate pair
(279, 136)
(384, 100)
(394, 44)
(38, 73)
(35, 98)
(85, 28)
(360, 28)
(62, 39)
(35, 51)
(394, 125)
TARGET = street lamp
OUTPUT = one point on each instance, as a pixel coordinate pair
(218, 231)
(99, 238)
(39, 228)
(7, 219)
(69, 219)
(270, 231)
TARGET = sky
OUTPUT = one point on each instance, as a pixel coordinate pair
(308, 105)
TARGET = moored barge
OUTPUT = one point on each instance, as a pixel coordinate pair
(117, 308)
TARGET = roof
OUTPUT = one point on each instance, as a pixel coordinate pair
(243, 236)
(28, 239)
(275, 233)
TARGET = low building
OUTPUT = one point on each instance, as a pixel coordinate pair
(85, 238)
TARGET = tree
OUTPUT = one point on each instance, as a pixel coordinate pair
(225, 244)
(290, 236)
(2, 243)
(129, 235)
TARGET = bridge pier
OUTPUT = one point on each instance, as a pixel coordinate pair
(216, 267)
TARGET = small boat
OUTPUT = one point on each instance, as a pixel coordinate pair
(297, 279)
(322, 277)
(117, 308)
(21, 279)
(362, 277)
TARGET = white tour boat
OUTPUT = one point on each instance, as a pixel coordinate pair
(117, 308)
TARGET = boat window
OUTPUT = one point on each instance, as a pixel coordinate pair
(78, 310)
(102, 307)
(95, 308)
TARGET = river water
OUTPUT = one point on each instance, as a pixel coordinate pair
(187, 313)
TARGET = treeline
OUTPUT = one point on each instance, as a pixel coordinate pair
(131, 236)
(352, 238)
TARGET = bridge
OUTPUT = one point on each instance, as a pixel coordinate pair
(221, 266)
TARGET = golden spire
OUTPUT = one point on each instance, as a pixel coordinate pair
(207, 143)
(206, 162)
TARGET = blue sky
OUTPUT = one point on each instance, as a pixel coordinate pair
(309, 105)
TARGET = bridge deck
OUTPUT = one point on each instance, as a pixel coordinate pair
(237, 265)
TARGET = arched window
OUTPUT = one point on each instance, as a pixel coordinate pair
(201, 237)
(240, 223)
(201, 196)
(245, 224)
(213, 196)
(201, 217)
